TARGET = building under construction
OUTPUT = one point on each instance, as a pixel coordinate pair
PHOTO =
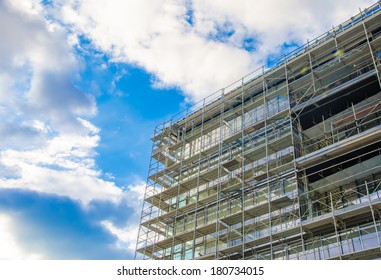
(283, 164)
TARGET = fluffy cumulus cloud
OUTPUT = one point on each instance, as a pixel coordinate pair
(48, 174)
(156, 36)
(46, 144)
(201, 45)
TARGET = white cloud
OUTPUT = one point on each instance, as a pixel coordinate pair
(156, 37)
(31, 7)
(14, 134)
(10, 249)
(37, 70)
(65, 166)
(127, 235)
(9, 172)
(46, 142)
(134, 195)
(187, 44)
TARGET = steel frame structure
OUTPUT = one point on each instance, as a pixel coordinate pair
(283, 164)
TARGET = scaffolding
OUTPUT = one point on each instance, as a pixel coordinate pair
(283, 164)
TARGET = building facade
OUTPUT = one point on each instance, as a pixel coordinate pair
(283, 164)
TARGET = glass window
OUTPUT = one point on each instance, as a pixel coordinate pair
(188, 254)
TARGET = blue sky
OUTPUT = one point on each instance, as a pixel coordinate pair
(84, 83)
